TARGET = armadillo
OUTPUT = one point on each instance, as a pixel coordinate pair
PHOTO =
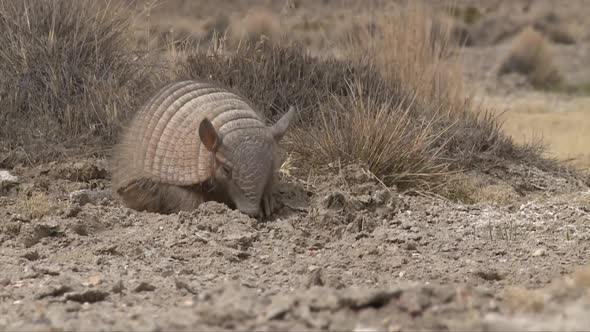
(196, 141)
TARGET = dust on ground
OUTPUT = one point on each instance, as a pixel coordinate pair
(342, 253)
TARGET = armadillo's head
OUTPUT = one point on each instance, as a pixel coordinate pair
(245, 163)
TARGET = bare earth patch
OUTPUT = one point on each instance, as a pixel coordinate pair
(349, 254)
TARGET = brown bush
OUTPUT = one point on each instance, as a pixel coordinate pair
(530, 55)
(69, 74)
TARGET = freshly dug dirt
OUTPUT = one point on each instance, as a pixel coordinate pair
(341, 253)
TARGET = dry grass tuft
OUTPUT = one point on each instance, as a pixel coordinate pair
(382, 135)
(36, 206)
(531, 56)
(473, 189)
(69, 73)
(413, 52)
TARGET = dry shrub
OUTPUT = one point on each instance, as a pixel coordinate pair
(69, 74)
(475, 189)
(380, 135)
(36, 206)
(402, 111)
(416, 55)
(256, 23)
(530, 55)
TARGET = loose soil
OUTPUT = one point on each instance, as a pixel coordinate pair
(341, 253)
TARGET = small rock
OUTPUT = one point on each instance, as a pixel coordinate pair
(381, 196)
(72, 211)
(539, 252)
(335, 201)
(239, 241)
(410, 245)
(54, 291)
(20, 217)
(278, 309)
(183, 285)
(144, 287)
(489, 275)
(6, 176)
(72, 306)
(397, 262)
(49, 270)
(32, 255)
(79, 228)
(315, 278)
(7, 182)
(93, 281)
(118, 287)
(4, 282)
(89, 296)
(356, 298)
(86, 196)
(414, 303)
(188, 302)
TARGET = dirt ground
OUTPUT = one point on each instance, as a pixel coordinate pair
(345, 254)
(341, 252)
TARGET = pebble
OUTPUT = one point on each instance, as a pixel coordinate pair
(6, 176)
(118, 287)
(144, 287)
(540, 252)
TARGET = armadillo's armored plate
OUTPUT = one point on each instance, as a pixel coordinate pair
(162, 142)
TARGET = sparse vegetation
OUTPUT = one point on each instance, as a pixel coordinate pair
(69, 74)
(531, 56)
(396, 102)
(36, 205)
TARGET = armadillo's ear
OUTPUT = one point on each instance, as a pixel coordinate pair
(279, 129)
(208, 135)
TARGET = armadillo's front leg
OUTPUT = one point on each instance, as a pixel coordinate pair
(267, 205)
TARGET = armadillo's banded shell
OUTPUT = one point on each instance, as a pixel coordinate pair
(163, 141)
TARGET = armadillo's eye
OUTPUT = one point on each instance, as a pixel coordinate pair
(226, 170)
